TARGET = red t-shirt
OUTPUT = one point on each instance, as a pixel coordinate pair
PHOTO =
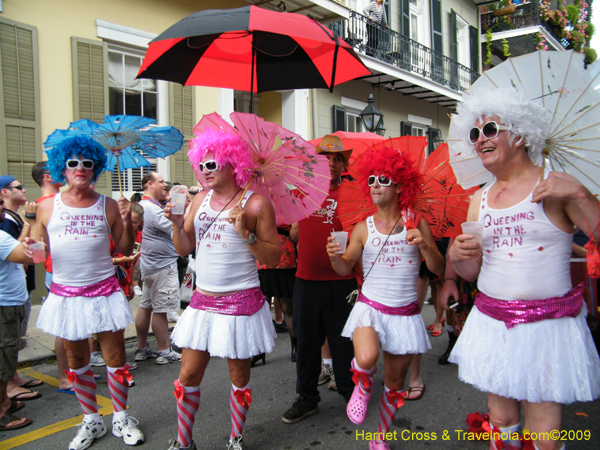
(48, 262)
(313, 261)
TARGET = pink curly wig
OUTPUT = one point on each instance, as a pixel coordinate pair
(398, 166)
(227, 148)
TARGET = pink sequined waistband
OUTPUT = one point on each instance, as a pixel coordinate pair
(409, 310)
(101, 289)
(242, 303)
(514, 312)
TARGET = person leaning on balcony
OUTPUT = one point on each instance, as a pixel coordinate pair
(376, 13)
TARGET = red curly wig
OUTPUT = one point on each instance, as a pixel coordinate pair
(398, 166)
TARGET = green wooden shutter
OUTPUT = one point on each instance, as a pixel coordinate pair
(90, 85)
(405, 19)
(474, 37)
(405, 128)
(20, 125)
(339, 118)
(182, 118)
(90, 79)
(437, 43)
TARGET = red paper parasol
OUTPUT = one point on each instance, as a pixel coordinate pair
(442, 202)
(288, 170)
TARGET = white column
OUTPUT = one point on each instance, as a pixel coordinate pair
(226, 103)
(294, 111)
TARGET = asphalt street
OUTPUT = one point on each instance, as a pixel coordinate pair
(438, 415)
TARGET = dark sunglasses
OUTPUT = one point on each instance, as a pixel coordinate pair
(87, 164)
(19, 187)
(489, 130)
(382, 179)
(211, 166)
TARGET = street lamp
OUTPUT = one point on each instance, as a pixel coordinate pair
(372, 117)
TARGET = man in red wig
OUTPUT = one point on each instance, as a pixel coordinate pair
(387, 314)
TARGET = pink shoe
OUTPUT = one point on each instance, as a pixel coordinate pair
(375, 446)
(358, 406)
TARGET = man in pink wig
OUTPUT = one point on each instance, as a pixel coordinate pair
(387, 313)
(228, 317)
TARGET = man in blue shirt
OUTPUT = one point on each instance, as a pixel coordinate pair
(13, 295)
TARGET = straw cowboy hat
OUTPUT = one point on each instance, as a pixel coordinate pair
(333, 144)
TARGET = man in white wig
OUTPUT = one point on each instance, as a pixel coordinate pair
(526, 342)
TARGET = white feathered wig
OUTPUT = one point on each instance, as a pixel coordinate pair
(525, 119)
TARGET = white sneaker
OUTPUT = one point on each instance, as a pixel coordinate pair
(128, 430)
(142, 354)
(90, 430)
(137, 291)
(170, 357)
(172, 316)
(236, 443)
(96, 360)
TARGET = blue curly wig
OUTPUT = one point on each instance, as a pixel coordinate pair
(72, 147)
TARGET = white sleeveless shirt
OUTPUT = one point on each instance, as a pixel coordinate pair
(223, 261)
(80, 244)
(393, 280)
(525, 256)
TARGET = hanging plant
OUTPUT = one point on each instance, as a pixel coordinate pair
(505, 48)
(488, 45)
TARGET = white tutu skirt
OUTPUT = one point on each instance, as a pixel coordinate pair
(225, 336)
(552, 360)
(398, 335)
(77, 318)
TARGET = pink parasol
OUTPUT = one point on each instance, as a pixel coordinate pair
(288, 170)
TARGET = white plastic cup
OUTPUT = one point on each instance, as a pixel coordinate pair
(178, 197)
(474, 228)
(341, 237)
(39, 254)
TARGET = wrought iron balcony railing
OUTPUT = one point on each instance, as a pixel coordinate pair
(524, 15)
(400, 51)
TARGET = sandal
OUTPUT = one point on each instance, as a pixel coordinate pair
(7, 419)
(410, 389)
(22, 396)
(31, 384)
(15, 406)
(358, 406)
(430, 327)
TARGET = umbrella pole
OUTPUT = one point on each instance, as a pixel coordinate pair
(117, 154)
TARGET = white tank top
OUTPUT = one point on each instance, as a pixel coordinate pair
(80, 244)
(223, 261)
(525, 257)
(393, 280)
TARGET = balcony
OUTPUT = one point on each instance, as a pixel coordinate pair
(524, 16)
(401, 52)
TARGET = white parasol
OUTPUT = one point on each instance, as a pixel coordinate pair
(567, 91)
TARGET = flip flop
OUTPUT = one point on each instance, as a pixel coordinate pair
(70, 390)
(32, 384)
(15, 406)
(8, 418)
(19, 396)
(414, 389)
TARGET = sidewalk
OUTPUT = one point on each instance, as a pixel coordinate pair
(40, 346)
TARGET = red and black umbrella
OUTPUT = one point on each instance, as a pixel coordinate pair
(251, 49)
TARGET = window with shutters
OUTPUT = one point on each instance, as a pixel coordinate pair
(126, 95)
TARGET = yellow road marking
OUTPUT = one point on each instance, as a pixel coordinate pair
(105, 404)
